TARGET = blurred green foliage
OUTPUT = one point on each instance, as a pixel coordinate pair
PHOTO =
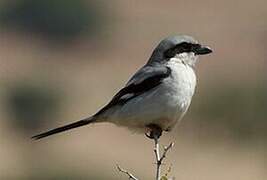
(54, 19)
(241, 110)
(30, 104)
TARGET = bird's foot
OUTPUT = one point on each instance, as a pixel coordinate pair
(154, 131)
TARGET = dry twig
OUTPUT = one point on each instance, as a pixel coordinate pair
(159, 159)
(130, 175)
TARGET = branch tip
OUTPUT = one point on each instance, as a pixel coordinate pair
(130, 175)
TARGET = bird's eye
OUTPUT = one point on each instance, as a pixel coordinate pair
(180, 48)
(184, 47)
(195, 47)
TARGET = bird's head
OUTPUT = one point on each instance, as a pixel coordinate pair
(178, 48)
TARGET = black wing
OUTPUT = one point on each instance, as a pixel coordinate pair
(144, 80)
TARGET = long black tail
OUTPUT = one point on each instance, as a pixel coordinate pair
(82, 122)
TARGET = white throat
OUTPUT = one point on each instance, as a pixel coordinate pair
(185, 58)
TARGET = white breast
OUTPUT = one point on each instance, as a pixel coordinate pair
(176, 93)
(182, 82)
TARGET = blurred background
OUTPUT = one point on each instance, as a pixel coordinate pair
(61, 60)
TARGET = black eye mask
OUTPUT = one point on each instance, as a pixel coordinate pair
(181, 48)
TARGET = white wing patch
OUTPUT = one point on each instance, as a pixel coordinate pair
(127, 96)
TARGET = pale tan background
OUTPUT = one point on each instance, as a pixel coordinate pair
(223, 136)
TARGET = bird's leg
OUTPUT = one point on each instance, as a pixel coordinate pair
(154, 131)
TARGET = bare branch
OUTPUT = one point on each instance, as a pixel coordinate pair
(159, 159)
(166, 149)
(157, 153)
(130, 175)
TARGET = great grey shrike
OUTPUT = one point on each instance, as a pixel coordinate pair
(158, 94)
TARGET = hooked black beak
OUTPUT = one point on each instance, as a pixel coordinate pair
(203, 50)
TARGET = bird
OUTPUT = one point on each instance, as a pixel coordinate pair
(157, 96)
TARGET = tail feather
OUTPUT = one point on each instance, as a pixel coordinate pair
(80, 123)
